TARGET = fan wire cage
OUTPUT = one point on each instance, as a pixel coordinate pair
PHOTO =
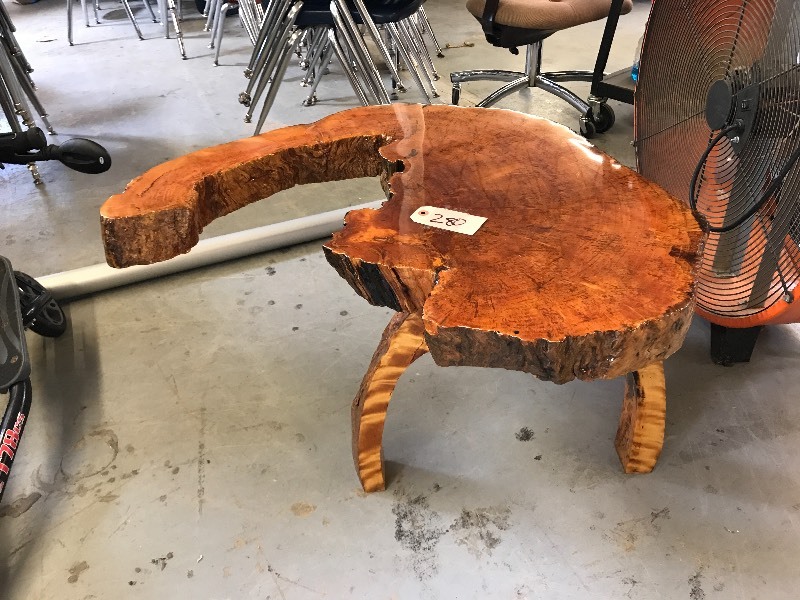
(705, 64)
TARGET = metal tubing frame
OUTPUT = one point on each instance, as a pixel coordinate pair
(404, 47)
(262, 54)
(280, 71)
(327, 54)
(531, 77)
(352, 38)
(274, 56)
(344, 60)
(376, 38)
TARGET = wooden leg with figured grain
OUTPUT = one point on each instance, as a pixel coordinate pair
(402, 343)
(640, 435)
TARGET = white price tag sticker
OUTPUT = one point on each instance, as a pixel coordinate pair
(451, 220)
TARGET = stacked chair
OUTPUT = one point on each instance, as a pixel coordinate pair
(96, 7)
(170, 10)
(16, 85)
(318, 30)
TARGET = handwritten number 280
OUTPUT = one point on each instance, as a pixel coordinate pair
(449, 221)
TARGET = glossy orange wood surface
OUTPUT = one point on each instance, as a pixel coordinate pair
(583, 269)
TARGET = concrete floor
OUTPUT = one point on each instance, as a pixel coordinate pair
(190, 435)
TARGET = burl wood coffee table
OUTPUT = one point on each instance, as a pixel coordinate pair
(581, 269)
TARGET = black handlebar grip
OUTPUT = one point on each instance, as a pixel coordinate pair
(22, 142)
(81, 155)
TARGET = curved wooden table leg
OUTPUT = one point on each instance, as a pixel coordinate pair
(402, 343)
(640, 435)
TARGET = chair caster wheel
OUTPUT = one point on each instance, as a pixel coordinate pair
(604, 120)
(456, 95)
(244, 99)
(310, 101)
(587, 128)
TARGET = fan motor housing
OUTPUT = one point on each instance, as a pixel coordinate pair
(724, 107)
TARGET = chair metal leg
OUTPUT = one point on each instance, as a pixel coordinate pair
(421, 51)
(131, 17)
(265, 73)
(20, 107)
(210, 13)
(261, 52)
(214, 18)
(561, 92)
(85, 8)
(532, 77)
(163, 11)
(319, 43)
(291, 43)
(174, 10)
(311, 99)
(506, 90)
(427, 24)
(27, 88)
(7, 105)
(376, 38)
(344, 60)
(249, 19)
(150, 9)
(406, 48)
(69, 22)
(352, 37)
(220, 26)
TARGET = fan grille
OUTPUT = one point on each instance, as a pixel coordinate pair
(754, 47)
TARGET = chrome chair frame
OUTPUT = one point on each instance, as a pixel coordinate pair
(531, 77)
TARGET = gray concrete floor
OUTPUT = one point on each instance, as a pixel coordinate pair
(190, 436)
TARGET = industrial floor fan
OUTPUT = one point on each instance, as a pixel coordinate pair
(717, 123)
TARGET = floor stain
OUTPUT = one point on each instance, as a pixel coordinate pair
(627, 534)
(478, 530)
(525, 434)
(85, 458)
(303, 509)
(19, 506)
(108, 498)
(76, 570)
(659, 514)
(201, 463)
(162, 560)
(417, 531)
(696, 586)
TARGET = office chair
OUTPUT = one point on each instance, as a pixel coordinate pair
(513, 23)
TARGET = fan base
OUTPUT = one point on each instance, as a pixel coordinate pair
(730, 346)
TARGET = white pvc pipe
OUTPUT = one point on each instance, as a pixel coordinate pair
(96, 278)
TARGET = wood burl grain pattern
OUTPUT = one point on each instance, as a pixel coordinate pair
(583, 269)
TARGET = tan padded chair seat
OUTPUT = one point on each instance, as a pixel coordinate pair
(548, 14)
